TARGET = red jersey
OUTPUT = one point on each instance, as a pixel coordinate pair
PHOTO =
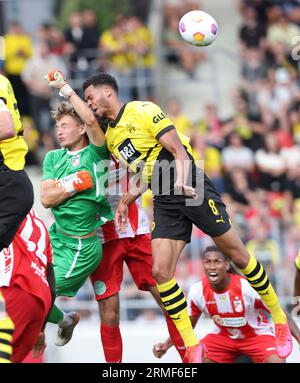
(237, 311)
(24, 262)
(118, 185)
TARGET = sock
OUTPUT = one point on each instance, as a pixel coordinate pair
(258, 279)
(112, 343)
(176, 306)
(6, 336)
(56, 315)
(176, 338)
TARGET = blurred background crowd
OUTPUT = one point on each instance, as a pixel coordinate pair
(253, 155)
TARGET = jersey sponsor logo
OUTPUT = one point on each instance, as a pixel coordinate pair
(39, 271)
(128, 151)
(229, 322)
(158, 117)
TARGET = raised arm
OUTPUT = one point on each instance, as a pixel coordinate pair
(56, 80)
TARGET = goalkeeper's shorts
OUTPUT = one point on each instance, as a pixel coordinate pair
(73, 260)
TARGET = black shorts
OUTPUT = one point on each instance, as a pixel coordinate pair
(16, 200)
(174, 219)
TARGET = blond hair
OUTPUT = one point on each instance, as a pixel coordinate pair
(65, 109)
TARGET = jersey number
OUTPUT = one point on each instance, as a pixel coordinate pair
(213, 207)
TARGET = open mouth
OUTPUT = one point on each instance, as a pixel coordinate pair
(213, 276)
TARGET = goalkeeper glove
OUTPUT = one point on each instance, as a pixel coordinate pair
(76, 182)
(56, 80)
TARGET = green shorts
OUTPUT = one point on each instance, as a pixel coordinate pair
(73, 260)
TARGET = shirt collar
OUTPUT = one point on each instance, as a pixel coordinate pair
(114, 123)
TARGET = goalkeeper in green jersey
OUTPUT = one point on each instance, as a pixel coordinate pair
(73, 186)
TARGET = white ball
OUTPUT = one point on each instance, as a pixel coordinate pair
(198, 28)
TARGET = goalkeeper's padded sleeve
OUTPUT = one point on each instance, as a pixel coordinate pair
(76, 182)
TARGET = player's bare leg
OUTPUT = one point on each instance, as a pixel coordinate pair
(109, 309)
(165, 253)
(231, 246)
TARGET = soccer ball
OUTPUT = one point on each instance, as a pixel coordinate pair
(198, 28)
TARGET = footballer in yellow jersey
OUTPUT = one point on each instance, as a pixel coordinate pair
(14, 149)
(16, 191)
(140, 131)
(136, 138)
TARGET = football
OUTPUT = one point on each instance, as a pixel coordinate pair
(198, 28)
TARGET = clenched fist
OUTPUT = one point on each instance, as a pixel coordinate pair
(55, 79)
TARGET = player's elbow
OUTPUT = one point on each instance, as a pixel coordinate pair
(10, 132)
(91, 120)
(7, 128)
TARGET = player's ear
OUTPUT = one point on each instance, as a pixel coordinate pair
(108, 91)
(82, 130)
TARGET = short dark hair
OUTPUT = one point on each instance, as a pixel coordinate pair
(214, 249)
(100, 79)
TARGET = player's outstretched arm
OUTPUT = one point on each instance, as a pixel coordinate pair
(56, 80)
(7, 128)
(121, 216)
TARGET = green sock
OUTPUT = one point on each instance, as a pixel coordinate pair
(55, 315)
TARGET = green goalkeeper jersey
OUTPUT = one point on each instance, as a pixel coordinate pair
(85, 211)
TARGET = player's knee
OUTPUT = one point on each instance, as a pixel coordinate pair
(238, 255)
(161, 274)
(109, 313)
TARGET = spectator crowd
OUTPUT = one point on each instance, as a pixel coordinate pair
(253, 157)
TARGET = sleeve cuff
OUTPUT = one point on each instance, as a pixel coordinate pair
(165, 130)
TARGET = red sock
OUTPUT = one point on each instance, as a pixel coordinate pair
(176, 338)
(111, 343)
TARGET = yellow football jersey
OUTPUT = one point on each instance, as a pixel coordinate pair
(134, 135)
(12, 150)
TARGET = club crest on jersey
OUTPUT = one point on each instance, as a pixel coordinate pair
(238, 306)
(76, 160)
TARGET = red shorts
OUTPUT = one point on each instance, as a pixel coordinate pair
(136, 253)
(28, 314)
(222, 349)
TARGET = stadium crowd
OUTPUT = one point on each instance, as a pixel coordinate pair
(253, 157)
